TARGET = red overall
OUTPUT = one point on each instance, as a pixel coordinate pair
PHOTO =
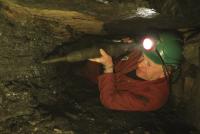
(120, 92)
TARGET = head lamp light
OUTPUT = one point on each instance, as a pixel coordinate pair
(148, 44)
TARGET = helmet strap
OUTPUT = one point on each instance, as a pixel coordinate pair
(165, 70)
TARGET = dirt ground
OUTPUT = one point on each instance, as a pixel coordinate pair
(72, 106)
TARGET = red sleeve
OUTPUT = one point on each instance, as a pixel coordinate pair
(125, 100)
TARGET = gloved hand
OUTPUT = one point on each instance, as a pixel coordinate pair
(105, 60)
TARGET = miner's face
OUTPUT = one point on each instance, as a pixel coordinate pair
(148, 70)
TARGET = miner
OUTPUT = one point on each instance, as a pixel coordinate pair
(141, 80)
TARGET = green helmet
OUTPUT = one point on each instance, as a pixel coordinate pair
(169, 48)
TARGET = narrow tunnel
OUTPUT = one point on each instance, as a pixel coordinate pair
(55, 98)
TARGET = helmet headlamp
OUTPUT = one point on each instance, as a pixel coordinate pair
(148, 44)
(164, 49)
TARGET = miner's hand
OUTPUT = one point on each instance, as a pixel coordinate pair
(106, 60)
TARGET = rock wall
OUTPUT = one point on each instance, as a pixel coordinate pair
(189, 87)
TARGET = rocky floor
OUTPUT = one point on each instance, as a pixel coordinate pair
(74, 108)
